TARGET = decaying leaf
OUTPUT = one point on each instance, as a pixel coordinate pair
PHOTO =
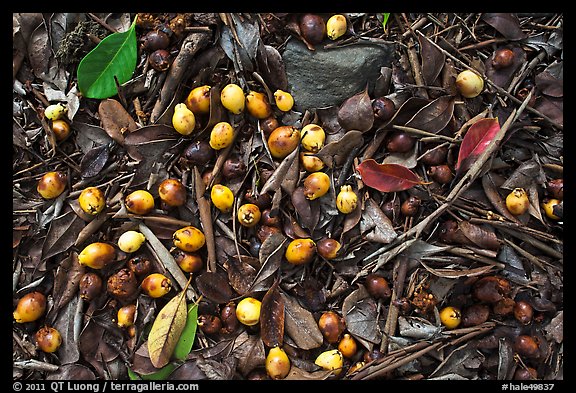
(335, 153)
(475, 142)
(375, 225)
(272, 317)
(434, 116)
(387, 177)
(215, 286)
(356, 112)
(116, 121)
(300, 324)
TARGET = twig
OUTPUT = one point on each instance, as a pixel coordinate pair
(33, 364)
(416, 131)
(399, 274)
(206, 219)
(102, 23)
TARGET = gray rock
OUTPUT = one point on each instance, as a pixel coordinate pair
(326, 77)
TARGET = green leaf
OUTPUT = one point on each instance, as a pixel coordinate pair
(114, 56)
(385, 20)
(133, 376)
(184, 345)
(160, 375)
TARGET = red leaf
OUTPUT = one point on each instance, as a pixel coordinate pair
(387, 177)
(476, 140)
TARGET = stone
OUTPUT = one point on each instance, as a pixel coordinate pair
(326, 77)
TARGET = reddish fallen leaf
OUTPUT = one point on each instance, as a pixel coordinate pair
(475, 142)
(387, 177)
(272, 317)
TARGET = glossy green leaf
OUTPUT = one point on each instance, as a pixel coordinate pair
(184, 345)
(160, 375)
(385, 17)
(114, 56)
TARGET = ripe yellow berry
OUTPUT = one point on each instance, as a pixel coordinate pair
(316, 185)
(283, 140)
(97, 255)
(131, 241)
(346, 200)
(517, 202)
(312, 137)
(284, 100)
(189, 239)
(232, 98)
(277, 363)
(310, 162)
(469, 84)
(30, 307)
(48, 339)
(300, 251)
(248, 311)
(139, 202)
(330, 360)
(183, 119)
(222, 197)
(92, 200)
(55, 111)
(221, 136)
(126, 315)
(548, 206)
(190, 262)
(52, 184)
(450, 317)
(249, 215)
(198, 101)
(336, 26)
(156, 285)
(348, 346)
(257, 105)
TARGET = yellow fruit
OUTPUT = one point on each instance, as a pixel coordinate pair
(156, 285)
(183, 119)
(92, 200)
(450, 317)
(313, 137)
(469, 84)
(248, 311)
(310, 162)
(190, 262)
(517, 201)
(198, 101)
(316, 185)
(300, 251)
(330, 360)
(52, 184)
(336, 26)
(277, 363)
(189, 239)
(284, 100)
(139, 202)
(283, 140)
(30, 307)
(257, 105)
(48, 339)
(222, 197)
(126, 316)
(249, 215)
(548, 206)
(221, 136)
(97, 255)
(232, 98)
(348, 346)
(55, 111)
(346, 200)
(131, 241)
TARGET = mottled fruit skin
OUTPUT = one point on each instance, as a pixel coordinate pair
(312, 138)
(160, 60)
(52, 184)
(156, 285)
(300, 251)
(526, 345)
(441, 173)
(330, 360)
(221, 136)
(126, 316)
(332, 326)
(469, 84)
(92, 200)
(190, 262)
(97, 255)
(232, 98)
(198, 100)
(328, 248)
(378, 287)
(410, 206)
(336, 26)
(123, 285)
(139, 202)
(257, 105)
(172, 192)
(517, 202)
(141, 266)
(346, 200)
(90, 286)
(249, 215)
(30, 307)
(316, 184)
(312, 28)
(310, 162)
(48, 339)
(222, 197)
(348, 346)
(55, 111)
(277, 363)
(61, 129)
(248, 311)
(189, 239)
(183, 119)
(548, 205)
(450, 317)
(284, 100)
(283, 141)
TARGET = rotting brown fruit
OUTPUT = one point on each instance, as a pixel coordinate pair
(441, 173)
(502, 58)
(526, 345)
(172, 192)
(383, 108)
(332, 326)
(555, 188)
(123, 285)
(90, 286)
(377, 286)
(399, 142)
(190, 262)
(233, 168)
(209, 324)
(160, 60)
(141, 266)
(328, 248)
(198, 153)
(229, 319)
(523, 312)
(312, 28)
(491, 289)
(48, 339)
(30, 307)
(410, 206)
(475, 314)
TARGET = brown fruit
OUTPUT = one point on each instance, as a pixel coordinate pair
(190, 262)
(156, 285)
(410, 206)
(268, 125)
(264, 231)
(52, 184)
(300, 251)
(555, 188)
(475, 314)
(90, 286)
(249, 215)
(316, 184)
(372, 355)
(97, 255)
(283, 141)
(377, 286)
(268, 219)
(523, 312)
(399, 142)
(209, 324)
(229, 319)
(139, 202)
(525, 374)
(141, 266)
(328, 248)
(504, 306)
(160, 60)
(233, 168)
(384, 108)
(312, 28)
(199, 153)
(435, 155)
(263, 201)
(48, 339)
(491, 289)
(526, 345)
(441, 173)
(61, 129)
(172, 192)
(154, 40)
(332, 326)
(30, 307)
(502, 58)
(123, 285)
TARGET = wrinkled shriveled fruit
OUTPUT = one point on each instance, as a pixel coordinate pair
(232, 98)
(52, 184)
(277, 363)
(248, 311)
(30, 307)
(222, 197)
(90, 286)
(131, 241)
(221, 136)
(92, 200)
(249, 215)
(123, 285)
(189, 239)
(139, 202)
(156, 285)
(257, 105)
(336, 26)
(300, 251)
(198, 100)
(316, 184)
(469, 84)
(183, 119)
(346, 200)
(97, 255)
(284, 100)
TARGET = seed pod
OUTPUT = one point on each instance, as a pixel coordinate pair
(348, 346)
(378, 287)
(92, 200)
(232, 98)
(190, 262)
(30, 307)
(189, 238)
(277, 363)
(330, 360)
(248, 311)
(300, 251)
(475, 314)
(48, 339)
(257, 105)
(517, 201)
(346, 200)
(97, 255)
(172, 192)
(131, 241)
(198, 100)
(312, 138)
(141, 266)
(283, 140)
(156, 285)
(469, 84)
(209, 324)
(90, 286)
(332, 326)
(450, 317)
(126, 316)
(61, 129)
(139, 202)
(336, 26)
(284, 100)
(123, 285)
(249, 215)
(52, 184)
(221, 136)
(316, 184)
(328, 248)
